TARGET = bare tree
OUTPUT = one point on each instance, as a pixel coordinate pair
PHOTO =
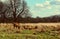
(15, 5)
(15, 9)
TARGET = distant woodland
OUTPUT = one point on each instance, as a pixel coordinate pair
(53, 19)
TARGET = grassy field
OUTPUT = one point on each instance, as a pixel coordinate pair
(30, 31)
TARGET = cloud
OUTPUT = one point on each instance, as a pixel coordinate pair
(45, 5)
(47, 8)
(39, 5)
(55, 2)
(49, 5)
(57, 12)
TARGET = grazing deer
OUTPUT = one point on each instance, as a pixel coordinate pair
(16, 25)
(25, 27)
(36, 27)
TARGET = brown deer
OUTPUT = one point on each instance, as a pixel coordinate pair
(16, 25)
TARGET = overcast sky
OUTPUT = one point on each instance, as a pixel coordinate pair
(44, 8)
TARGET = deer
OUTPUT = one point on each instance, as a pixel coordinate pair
(16, 25)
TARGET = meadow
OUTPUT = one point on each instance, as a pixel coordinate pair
(30, 31)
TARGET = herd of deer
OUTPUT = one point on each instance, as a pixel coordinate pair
(16, 25)
(40, 27)
(32, 26)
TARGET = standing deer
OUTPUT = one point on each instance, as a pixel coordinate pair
(16, 25)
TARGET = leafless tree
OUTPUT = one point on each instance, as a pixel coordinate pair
(15, 9)
(18, 8)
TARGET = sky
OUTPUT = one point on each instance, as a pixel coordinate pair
(44, 8)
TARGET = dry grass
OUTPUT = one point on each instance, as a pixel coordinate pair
(32, 26)
(36, 27)
(39, 30)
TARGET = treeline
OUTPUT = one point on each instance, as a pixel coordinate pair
(33, 20)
